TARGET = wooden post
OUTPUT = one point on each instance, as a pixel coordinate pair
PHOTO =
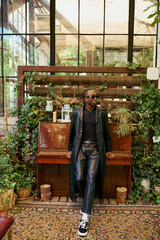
(45, 192)
(5, 104)
(10, 233)
(121, 194)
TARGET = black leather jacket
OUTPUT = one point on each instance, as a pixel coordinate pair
(103, 142)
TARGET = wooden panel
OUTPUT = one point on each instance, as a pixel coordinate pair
(57, 175)
(118, 162)
(54, 135)
(58, 160)
(115, 176)
(52, 160)
(119, 144)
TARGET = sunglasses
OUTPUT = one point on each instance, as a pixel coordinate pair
(92, 97)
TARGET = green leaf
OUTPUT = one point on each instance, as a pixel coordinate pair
(152, 15)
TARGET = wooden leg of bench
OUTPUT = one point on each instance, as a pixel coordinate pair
(10, 233)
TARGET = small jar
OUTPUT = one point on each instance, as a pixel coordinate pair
(49, 105)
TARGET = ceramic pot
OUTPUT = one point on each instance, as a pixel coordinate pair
(24, 192)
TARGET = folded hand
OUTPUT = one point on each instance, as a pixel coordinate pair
(69, 154)
(110, 155)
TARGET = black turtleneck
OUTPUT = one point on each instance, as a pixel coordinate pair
(89, 125)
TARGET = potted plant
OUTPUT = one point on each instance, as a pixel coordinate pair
(123, 116)
(7, 184)
(14, 175)
(25, 182)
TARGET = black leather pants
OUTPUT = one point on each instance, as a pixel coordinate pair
(86, 170)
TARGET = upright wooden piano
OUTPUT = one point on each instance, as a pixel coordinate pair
(53, 164)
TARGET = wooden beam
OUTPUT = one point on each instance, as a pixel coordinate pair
(108, 104)
(116, 80)
(77, 69)
(70, 92)
(15, 5)
(20, 87)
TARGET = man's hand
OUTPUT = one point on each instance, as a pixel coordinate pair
(69, 154)
(110, 155)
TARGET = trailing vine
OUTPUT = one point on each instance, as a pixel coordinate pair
(146, 153)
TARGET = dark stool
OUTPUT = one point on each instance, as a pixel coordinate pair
(6, 225)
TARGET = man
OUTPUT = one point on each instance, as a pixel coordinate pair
(89, 144)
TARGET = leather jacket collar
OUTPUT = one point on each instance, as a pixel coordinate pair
(98, 113)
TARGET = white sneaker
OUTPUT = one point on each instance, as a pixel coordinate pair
(83, 229)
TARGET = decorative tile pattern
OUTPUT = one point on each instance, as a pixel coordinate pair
(106, 222)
